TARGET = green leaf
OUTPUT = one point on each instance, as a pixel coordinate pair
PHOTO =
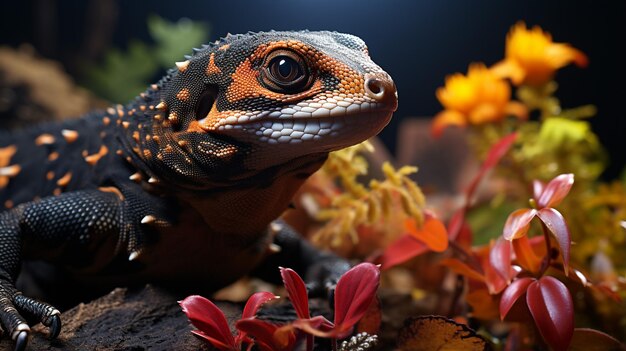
(556, 132)
(487, 221)
(175, 39)
(123, 74)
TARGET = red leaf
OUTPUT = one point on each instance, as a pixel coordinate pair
(461, 268)
(456, 223)
(252, 306)
(517, 223)
(500, 258)
(210, 320)
(297, 292)
(495, 283)
(353, 295)
(556, 224)
(555, 191)
(538, 187)
(552, 308)
(318, 326)
(432, 233)
(589, 339)
(403, 249)
(268, 336)
(512, 293)
(255, 302)
(526, 255)
(497, 151)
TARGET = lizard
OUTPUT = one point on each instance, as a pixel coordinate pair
(182, 186)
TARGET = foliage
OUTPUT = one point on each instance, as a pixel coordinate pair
(358, 206)
(354, 293)
(529, 273)
(555, 144)
(124, 74)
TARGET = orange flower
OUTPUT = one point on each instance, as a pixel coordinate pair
(532, 58)
(477, 98)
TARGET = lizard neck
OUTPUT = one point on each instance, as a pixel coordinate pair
(256, 203)
(158, 138)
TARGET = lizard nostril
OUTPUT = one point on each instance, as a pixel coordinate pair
(380, 87)
(374, 87)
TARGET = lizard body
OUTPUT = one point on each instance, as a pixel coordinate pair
(179, 186)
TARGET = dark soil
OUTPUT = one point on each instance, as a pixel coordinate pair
(125, 320)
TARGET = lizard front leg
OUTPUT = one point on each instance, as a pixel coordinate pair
(69, 229)
(322, 269)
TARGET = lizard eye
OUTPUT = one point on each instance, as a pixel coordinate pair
(285, 72)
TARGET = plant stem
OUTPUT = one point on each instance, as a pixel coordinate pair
(546, 260)
(333, 344)
(466, 257)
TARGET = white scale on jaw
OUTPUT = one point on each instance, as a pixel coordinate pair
(301, 122)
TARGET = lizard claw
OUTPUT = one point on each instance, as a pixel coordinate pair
(13, 304)
(55, 326)
(21, 340)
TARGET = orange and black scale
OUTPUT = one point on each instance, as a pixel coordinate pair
(157, 137)
(148, 140)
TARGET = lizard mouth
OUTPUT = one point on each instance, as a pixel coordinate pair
(333, 129)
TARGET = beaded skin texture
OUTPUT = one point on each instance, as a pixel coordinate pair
(179, 186)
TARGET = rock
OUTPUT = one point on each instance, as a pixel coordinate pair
(34, 90)
(128, 320)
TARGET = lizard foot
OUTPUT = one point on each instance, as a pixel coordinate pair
(13, 303)
(323, 275)
(21, 341)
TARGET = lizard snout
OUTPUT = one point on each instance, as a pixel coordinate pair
(380, 87)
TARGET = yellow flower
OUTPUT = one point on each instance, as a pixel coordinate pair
(532, 58)
(477, 98)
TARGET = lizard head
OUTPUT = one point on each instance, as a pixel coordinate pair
(274, 97)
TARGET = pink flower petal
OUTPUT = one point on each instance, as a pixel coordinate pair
(297, 292)
(210, 320)
(517, 223)
(512, 293)
(555, 191)
(556, 224)
(552, 308)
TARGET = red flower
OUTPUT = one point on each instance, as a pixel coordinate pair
(545, 196)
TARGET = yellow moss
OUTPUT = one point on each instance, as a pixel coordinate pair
(362, 205)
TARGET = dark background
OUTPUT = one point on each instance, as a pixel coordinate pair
(417, 42)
